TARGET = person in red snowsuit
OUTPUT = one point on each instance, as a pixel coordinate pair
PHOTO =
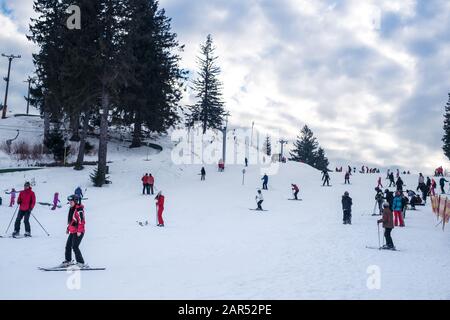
(26, 202)
(150, 183)
(145, 183)
(160, 208)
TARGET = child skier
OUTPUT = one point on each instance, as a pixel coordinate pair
(79, 193)
(75, 230)
(347, 208)
(295, 190)
(259, 200)
(12, 201)
(326, 178)
(388, 225)
(442, 182)
(55, 200)
(160, 208)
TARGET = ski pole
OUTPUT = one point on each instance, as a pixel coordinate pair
(40, 224)
(379, 245)
(11, 220)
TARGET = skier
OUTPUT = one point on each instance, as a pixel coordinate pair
(203, 174)
(349, 169)
(391, 180)
(144, 183)
(55, 200)
(442, 182)
(380, 185)
(246, 162)
(326, 178)
(12, 201)
(400, 184)
(389, 198)
(388, 225)
(75, 229)
(160, 208)
(421, 182)
(388, 174)
(150, 183)
(397, 206)
(398, 173)
(265, 180)
(433, 187)
(259, 200)
(379, 199)
(347, 178)
(26, 202)
(295, 189)
(79, 193)
(347, 208)
(221, 165)
(412, 199)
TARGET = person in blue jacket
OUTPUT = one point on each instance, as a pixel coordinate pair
(79, 193)
(265, 180)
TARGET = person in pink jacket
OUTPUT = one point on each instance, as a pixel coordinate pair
(55, 200)
(12, 202)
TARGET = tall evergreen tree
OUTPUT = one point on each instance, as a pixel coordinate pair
(268, 146)
(321, 162)
(446, 138)
(151, 97)
(305, 147)
(209, 109)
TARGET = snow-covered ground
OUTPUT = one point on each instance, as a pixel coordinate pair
(213, 246)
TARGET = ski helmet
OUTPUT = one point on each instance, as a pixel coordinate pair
(346, 193)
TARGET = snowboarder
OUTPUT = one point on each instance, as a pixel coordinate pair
(75, 229)
(26, 202)
(326, 178)
(347, 208)
(160, 208)
(203, 174)
(397, 206)
(347, 178)
(144, 180)
(442, 182)
(379, 199)
(259, 200)
(295, 190)
(388, 225)
(150, 183)
(55, 200)
(379, 185)
(12, 200)
(265, 180)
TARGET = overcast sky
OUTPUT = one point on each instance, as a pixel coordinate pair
(371, 78)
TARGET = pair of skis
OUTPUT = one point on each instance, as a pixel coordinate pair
(381, 248)
(71, 268)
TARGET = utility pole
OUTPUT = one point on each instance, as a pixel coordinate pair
(224, 143)
(5, 104)
(283, 142)
(29, 80)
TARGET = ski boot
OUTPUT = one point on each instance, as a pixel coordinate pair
(65, 264)
(82, 265)
(27, 235)
(15, 234)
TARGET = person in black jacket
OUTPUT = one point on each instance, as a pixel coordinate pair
(203, 173)
(347, 208)
(389, 198)
(400, 184)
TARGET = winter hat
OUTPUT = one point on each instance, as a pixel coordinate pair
(386, 205)
(27, 184)
(346, 193)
